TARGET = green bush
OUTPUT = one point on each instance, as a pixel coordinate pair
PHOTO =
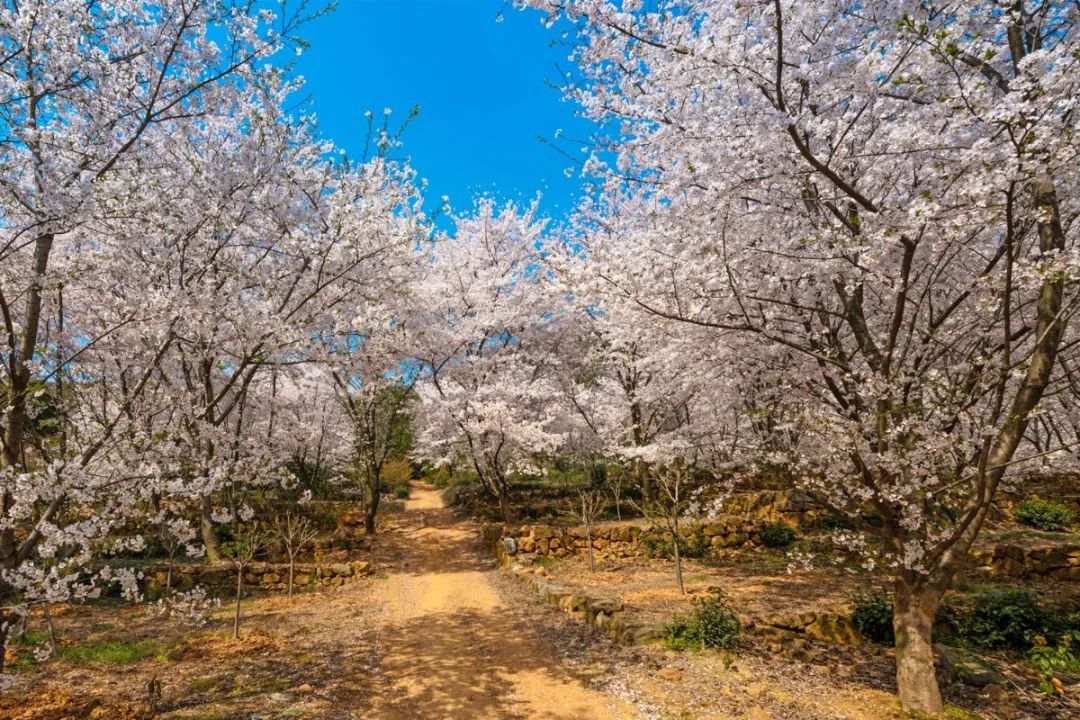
(401, 492)
(1008, 619)
(776, 535)
(872, 615)
(657, 544)
(1044, 515)
(835, 521)
(710, 624)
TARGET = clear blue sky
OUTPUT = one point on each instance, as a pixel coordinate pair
(483, 87)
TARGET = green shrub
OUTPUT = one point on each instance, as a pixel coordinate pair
(776, 535)
(1044, 515)
(710, 624)
(657, 544)
(1007, 619)
(401, 492)
(872, 615)
(835, 521)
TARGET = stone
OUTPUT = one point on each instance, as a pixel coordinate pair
(527, 545)
(509, 546)
(543, 532)
(280, 697)
(968, 668)
(341, 570)
(271, 578)
(834, 628)
(360, 567)
(304, 689)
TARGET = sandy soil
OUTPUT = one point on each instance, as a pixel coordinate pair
(449, 646)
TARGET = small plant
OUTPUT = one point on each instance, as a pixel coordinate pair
(872, 615)
(401, 492)
(1049, 659)
(711, 623)
(776, 535)
(1044, 515)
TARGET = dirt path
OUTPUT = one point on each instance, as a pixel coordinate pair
(448, 647)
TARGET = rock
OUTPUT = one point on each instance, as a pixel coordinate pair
(834, 628)
(968, 668)
(543, 532)
(271, 578)
(790, 621)
(360, 567)
(280, 697)
(509, 545)
(341, 570)
(304, 689)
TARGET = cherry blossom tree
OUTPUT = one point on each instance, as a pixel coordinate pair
(488, 307)
(875, 205)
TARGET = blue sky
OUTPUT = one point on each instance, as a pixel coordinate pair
(483, 87)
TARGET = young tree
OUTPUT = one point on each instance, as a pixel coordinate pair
(588, 506)
(249, 542)
(883, 197)
(295, 532)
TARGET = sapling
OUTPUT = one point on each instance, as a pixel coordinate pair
(295, 532)
(241, 552)
(668, 506)
(615, 484)
(588, 507)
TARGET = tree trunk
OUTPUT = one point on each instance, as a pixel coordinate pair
(292, 567)
(371, 507)
(678, 558)
(914, 607)
(239, 592)
(206, 529)
(7, 620)
(588, 539)
(504, 502)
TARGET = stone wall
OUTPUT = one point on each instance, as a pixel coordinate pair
(1054, 562)
(621, 540)
(220, 578)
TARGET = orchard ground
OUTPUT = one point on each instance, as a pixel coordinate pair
(441, 631)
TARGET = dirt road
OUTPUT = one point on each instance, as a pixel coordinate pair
(447, 645)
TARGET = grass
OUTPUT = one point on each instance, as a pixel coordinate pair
(112, 652)
(34, 637)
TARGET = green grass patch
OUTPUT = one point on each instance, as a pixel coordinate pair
(112, 652)
(33, 637)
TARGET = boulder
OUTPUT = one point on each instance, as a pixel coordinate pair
(509, 545)
(967, 668)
